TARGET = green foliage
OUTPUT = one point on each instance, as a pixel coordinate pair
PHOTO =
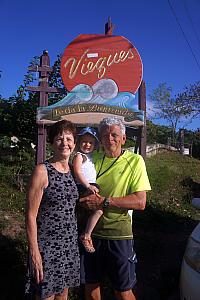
(173, 110)
(6, 121)
(18, 117)
(196, 144)
(55, 80)
(17, 153)
(168, 172)
(129, 143)
(11, 199)
(158, 133)
(16, 164)
(192, 98)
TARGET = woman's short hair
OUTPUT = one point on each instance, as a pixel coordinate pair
(112, 121)
(59, 127)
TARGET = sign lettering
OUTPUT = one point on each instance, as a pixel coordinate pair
(90, 58)
(98, 108)
(100, 65)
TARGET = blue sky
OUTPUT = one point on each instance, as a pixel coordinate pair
(29, 27)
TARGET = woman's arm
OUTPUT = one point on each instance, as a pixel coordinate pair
(38, 182)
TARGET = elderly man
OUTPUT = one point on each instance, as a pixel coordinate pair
(123, 182)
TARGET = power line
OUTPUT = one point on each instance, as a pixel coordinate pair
(176, 18)
(191, 21)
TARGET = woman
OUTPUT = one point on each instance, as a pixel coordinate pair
(51, 222)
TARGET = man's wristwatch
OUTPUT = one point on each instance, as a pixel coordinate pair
(106, 202)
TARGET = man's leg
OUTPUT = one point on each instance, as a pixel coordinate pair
(92, 270)
(127, 295)
(92, 291)
(122, 260)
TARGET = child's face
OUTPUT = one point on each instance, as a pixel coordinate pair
(87, 143)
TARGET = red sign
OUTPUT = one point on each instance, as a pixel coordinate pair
(90, 58)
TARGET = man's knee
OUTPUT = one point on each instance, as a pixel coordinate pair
(126, 295)
(92, 291)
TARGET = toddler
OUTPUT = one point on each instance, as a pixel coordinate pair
(85, 174)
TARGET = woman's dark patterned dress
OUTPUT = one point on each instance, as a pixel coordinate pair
(57, 235)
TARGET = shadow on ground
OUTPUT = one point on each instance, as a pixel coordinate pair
(160, 240)
(12, 269)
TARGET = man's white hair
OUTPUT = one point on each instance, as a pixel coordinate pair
(112, 121)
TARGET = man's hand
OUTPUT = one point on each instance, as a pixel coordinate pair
(92, 202)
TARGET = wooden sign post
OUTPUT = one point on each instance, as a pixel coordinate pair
(142, 132)
(43, 88)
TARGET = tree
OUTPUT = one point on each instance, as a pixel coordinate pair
(157, 133)
(55, 80)
(5, 117)
(173, 110)
(18, 113)
(196, 144)
(192, 97)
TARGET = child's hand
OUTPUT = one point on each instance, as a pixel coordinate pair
(93, 188)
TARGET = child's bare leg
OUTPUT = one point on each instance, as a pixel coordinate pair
(91, 223)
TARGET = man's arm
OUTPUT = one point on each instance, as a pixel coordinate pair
(136, 201)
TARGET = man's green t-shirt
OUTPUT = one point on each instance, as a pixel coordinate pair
(126, 175)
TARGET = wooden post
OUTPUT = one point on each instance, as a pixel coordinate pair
(181, 140)
(109, 27)
(141, 132)
(44, 69)
(142, 106)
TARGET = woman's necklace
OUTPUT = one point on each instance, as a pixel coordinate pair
(99, 174)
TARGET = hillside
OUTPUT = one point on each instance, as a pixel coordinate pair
(163, 228)
(161, 231)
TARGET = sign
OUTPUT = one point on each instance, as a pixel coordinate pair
(102, 73)
(88, 114)
(90, 58)
(186, 151)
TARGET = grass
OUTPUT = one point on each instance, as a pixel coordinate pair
(161, 230)
(175, 180)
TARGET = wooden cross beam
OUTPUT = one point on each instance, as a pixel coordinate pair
(43, 88)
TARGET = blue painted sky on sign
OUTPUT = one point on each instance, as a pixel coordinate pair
(104, 91)
(166, 36)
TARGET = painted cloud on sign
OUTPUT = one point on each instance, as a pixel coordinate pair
(104, 91)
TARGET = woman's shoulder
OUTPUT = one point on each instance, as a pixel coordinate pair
(40, 170)
(39, 177)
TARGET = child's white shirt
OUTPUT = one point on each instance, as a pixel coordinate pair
(88, 168)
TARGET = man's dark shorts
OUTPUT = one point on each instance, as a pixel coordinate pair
(114, 259)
